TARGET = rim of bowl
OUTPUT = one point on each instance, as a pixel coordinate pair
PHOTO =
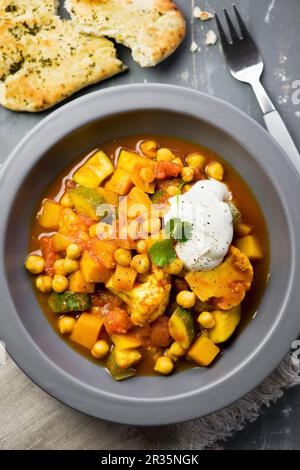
(239, 381)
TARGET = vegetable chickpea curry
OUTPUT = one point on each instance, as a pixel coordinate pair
(148, 254)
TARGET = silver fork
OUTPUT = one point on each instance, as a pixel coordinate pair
(246, 65)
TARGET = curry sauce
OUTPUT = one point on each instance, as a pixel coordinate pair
(243, 197)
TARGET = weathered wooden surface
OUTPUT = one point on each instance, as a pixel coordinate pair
(32, 419)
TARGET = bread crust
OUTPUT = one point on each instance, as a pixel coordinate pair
(152, 29)
(45, 60)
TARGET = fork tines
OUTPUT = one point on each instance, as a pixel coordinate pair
(234, 35)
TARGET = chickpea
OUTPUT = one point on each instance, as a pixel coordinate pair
(100, 349)
(73, 251)
(186, 299)
(70, 265)
(175, 267)
(123, 257)
(59, 283)
(66, 325)
(173, 190)
(164, 365)
(196, 160)
(152, 225)
(187, 187)
(215, 170)
(206, 320)
(149, 148)
(165, 155)
(141, 246)
(187, 174)
(66, 201)
(147, 175)
(59, 267)
(35, 264)
(171, 356)
(141, 263)
(44, 284)
(176, 350)
(178, 161)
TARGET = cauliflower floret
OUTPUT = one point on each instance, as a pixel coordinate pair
(148, 299)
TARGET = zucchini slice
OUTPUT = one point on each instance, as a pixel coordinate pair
(87, 201)
(226, 323)
(120, 363)
(69, 302)
(95, 170)
(182, 327)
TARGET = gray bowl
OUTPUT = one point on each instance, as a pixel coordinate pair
(82, 125)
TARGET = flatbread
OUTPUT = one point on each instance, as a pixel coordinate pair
(43, 61)
(17, 8)
(152, 29)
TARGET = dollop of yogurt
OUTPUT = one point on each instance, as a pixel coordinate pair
(205, 206)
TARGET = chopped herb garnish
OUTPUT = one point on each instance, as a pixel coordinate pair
(179, 230)
(162, 253)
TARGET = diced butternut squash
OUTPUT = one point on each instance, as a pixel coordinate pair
(250, 247)
(242, 230)
(104, 251)
(87, 201)
(138, 181)
(49, 215)
(95, 170)
(60, 242)
(109, 196)
(73, 226)
(225, 324)
(120, 183)
(78, 284)
(203, 351)
(86, 330)
(137, 198)
(127, 160)
(124, 278)
(132, 163)
(128, 341)
(68, 219)
(136, 203)
(92, 270)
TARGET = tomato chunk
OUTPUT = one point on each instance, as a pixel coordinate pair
(166, 170)
(117, 321)
(49, 255)
(160, 336)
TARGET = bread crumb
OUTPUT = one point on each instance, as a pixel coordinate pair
(202, 15)
(194, 47)
(211, 38)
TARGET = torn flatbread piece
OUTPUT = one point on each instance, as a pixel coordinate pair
(45, 60)
(17, 8)
(152, 29)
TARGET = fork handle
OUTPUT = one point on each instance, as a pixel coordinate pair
(279, 131)
(275, 124)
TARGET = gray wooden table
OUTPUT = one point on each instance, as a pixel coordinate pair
(31, 419)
